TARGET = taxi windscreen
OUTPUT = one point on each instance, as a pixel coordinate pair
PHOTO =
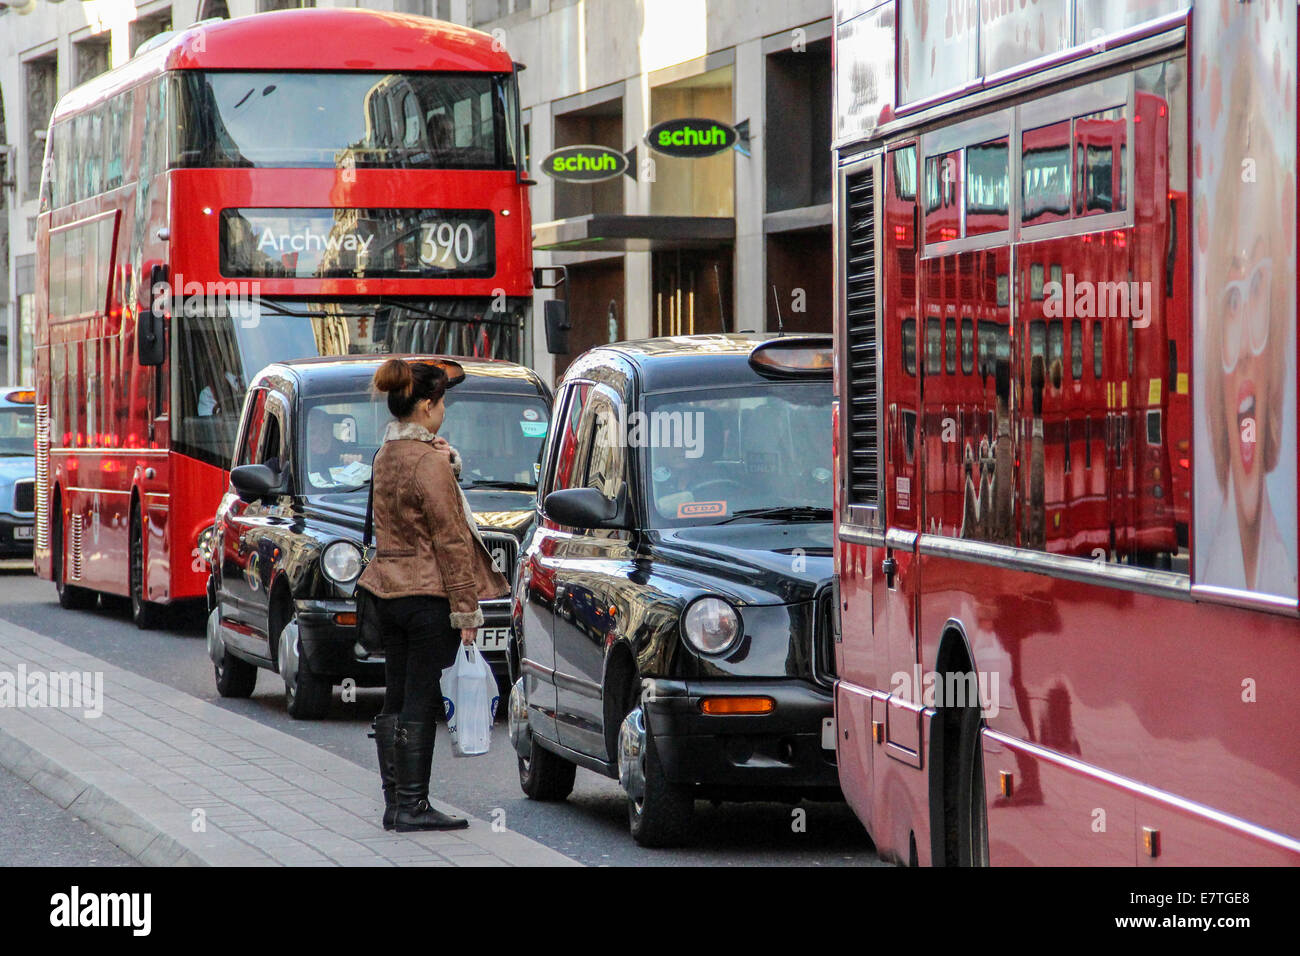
(17, 431)
(741, 453)
(499, 438)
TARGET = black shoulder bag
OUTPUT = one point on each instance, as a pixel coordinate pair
(369, 635)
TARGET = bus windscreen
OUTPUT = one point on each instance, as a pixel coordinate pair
(341, 120)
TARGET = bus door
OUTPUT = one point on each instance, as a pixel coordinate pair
(896, 590)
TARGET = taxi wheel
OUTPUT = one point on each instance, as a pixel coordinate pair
(306, 696)
(663, 813)
(546, 777)
(144, 612)
(235, 678)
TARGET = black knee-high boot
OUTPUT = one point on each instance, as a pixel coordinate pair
(385, 734)
(414, 764)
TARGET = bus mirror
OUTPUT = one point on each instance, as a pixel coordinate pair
(151, 326)
(556, 315)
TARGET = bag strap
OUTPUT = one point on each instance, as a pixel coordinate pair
(370, 508)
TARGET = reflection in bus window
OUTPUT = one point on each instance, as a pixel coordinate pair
(1055, 352)
(909, 346)
(933, 346)
(967, 346)
(950, 347)
(1076, 350)
(1100, 140)
(943, 197)
(988, 189)
(1045, 174)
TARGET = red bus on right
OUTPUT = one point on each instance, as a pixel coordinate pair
(1065, 430)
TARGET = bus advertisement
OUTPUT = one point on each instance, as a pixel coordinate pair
(231, 197)
(1065, 419)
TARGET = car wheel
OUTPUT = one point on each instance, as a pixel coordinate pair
(306, 696)
(543, 776)
(71, 597)
(146, 614)
(235, 677)
(660, 813)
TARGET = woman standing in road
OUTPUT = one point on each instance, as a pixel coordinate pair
(428, 574)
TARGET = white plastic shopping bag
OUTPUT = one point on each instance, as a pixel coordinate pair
(470, 697)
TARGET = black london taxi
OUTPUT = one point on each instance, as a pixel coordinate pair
(17, 476)
(672, 608)
(285, 550)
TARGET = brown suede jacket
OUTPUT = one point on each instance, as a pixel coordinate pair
(426, 541)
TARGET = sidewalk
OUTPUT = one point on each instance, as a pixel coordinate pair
(140, 772)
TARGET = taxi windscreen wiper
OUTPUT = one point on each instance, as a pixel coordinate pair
(500, 483)
(793, 512)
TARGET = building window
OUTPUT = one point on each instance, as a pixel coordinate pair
(798, 150)
(266, 6)
(90, 58)
(437, 9)
(40, 76)
(149, 26)
(599, 125)
(485, 11)
(694, 187)
(26, 337)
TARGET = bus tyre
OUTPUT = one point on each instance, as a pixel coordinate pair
(71, 597)
(660, 813)
(972, 812)
(144, 612)
(306, 696)
(545, 777)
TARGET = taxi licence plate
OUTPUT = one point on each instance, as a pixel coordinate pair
(23, 533)
(492, 638)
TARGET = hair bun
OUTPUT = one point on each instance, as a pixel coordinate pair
(393, 376)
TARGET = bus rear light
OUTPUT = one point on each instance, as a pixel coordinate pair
(730, 706)
(1186, 463)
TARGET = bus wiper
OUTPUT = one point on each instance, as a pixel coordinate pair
(410, 306)
(281, 310)
(500, 483)
(800, 512)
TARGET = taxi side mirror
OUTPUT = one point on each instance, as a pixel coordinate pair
(585, 508)
(254, 482)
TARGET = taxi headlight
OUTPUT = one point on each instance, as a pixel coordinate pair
(341, 562)
(711, 625)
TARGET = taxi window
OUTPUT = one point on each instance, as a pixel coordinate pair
(17, 430)
(337, 441)
(605, 456)
(568, 469)
(715, 455)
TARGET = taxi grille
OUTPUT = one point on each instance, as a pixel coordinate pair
(861, 327)
(504, 549)
(25, 497)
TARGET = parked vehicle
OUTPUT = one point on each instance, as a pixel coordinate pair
(285, 551)
(199, 218)
(17, 473)
(671, 616)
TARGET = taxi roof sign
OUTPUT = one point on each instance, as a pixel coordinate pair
(795, 356)
(22, 396)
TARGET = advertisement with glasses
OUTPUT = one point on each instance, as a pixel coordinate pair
(1245, 139)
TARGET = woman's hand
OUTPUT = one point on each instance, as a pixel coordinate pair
(468, 635)
(440, 444)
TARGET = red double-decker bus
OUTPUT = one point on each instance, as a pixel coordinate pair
(236, 196)
(1065, 431)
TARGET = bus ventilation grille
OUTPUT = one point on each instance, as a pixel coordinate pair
(42, 477)
(75, 563)
(862, 329)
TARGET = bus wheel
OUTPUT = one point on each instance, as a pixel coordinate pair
(972, 812)
(146, 614)
(71, 597)
(306, 696)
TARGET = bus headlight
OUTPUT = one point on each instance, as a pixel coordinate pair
(711, 625)
(341, 562)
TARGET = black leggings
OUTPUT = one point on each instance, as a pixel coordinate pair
(419, 642)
